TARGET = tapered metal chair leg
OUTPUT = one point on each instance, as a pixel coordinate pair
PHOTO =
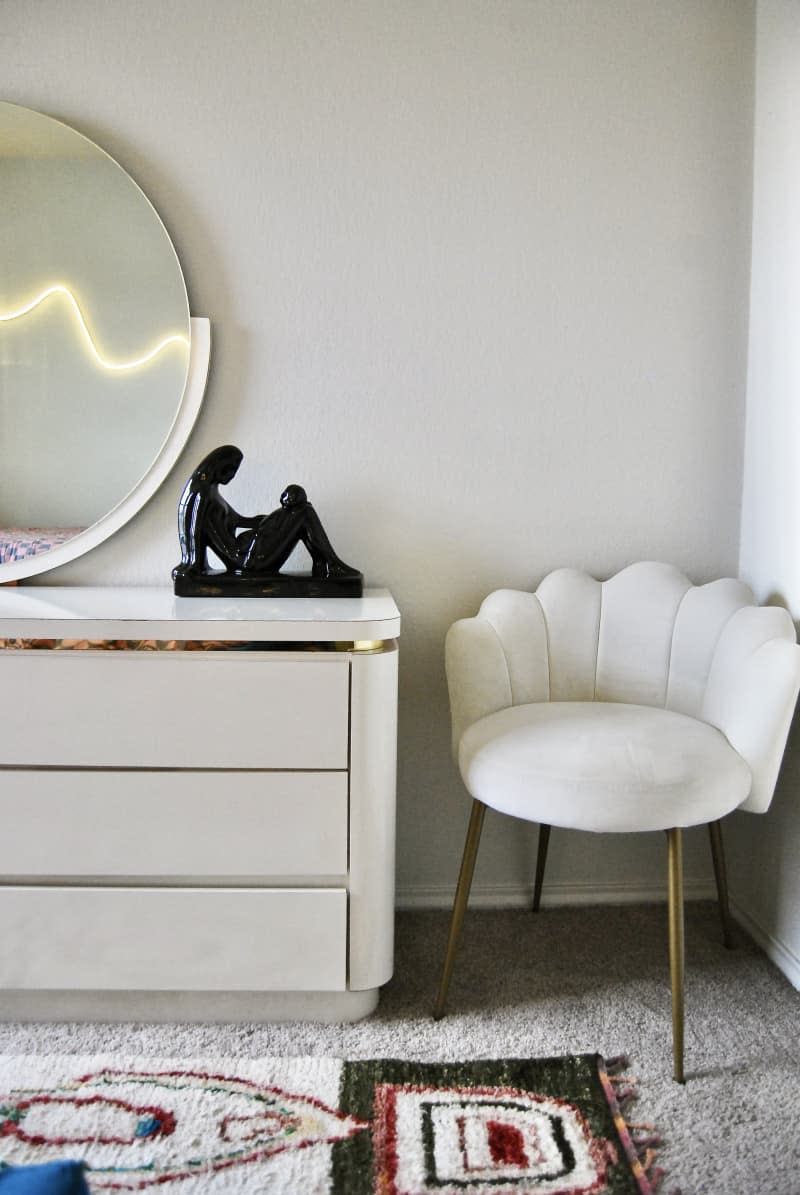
(460, 903)
(720, 874)
(541, 860)
(676, 949)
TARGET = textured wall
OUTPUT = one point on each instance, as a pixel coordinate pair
(477, 275)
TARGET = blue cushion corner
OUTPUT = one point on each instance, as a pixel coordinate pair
(49, 1178)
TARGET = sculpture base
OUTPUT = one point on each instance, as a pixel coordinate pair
(282, 585)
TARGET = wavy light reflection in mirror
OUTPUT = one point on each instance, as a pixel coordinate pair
(59, 288)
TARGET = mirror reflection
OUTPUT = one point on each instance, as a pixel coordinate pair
(94, 333)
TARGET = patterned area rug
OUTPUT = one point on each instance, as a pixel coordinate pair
(314, 1126)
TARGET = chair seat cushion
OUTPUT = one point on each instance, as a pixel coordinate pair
(602, 766)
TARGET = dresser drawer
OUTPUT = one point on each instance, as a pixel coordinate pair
(159, 824)
(169, 939)
(174, 709)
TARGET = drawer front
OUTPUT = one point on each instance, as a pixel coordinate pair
(159, 824)
(165, 939)
(173, 709)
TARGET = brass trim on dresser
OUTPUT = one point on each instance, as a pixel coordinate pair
(361, 646)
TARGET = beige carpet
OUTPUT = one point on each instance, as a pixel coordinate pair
(565, 981)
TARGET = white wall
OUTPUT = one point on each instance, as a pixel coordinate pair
(765, 871)
(477, 274)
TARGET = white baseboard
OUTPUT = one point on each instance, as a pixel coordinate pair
(781, 955)
(516, 896)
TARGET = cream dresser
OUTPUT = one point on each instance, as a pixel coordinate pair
(196, 834)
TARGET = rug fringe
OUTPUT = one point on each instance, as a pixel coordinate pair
(618, 1063)
(639, 1139)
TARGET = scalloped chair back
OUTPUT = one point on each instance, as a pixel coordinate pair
(638, 703)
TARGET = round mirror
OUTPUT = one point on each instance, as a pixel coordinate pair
(95, 344)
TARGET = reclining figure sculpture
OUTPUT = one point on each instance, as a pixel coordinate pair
(252, 548)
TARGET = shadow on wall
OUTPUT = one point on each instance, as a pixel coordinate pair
(764, 875)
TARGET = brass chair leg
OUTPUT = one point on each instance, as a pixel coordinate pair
(541, 860)
(460, 903)
(720, 874)
(676, 951)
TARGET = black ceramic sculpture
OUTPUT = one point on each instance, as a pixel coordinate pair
(252, 549)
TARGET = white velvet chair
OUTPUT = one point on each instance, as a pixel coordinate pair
(638, 703)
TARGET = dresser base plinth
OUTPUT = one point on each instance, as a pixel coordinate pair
(188, 1007)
